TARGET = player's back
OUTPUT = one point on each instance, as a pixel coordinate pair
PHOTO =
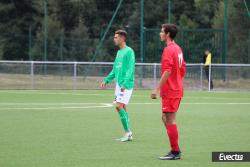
(173, 62)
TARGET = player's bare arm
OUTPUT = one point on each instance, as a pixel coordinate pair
(163, 79)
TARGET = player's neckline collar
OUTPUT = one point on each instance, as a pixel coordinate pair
(123, 48)
(171, 43)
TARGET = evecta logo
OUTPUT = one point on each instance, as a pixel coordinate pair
(230, 156)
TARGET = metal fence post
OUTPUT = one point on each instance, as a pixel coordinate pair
(74, 77)
(141, 37)
(32, 74)
(201, 76)
(45, 35)
(248, 58)
(154, 74)
(61, 53)
(30, 44)
(209, 78)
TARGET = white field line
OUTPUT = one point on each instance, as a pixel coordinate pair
(70, 104)
(49, 104)
(110, 94)
(100, 105)
(49, 93)
(110, 104)
(96, 105)
(199, 103)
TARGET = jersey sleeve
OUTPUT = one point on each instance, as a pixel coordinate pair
(129, 74)
(167, 61)
(183, 69)
(110, 76)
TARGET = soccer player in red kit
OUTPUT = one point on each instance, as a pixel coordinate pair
(173, 69)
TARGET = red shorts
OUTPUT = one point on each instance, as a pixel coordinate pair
(170, 104)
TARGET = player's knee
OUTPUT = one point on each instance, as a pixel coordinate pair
(119, 107)
(170, 121)
(163, 117)
(168, 118)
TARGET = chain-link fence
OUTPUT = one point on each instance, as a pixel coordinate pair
(192, 41)
(88, 75)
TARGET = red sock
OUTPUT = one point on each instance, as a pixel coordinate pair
(173, 136)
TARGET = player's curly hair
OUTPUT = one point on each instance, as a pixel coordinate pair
(171, 28)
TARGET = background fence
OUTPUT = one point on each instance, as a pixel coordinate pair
(192, 41)
(86, 75)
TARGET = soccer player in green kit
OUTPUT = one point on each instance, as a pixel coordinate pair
(123, 73)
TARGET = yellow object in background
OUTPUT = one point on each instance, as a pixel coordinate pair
(208, 59)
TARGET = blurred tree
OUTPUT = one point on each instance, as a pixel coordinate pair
(239, 24)
(205, 12)
(76, 26)
(16, 18)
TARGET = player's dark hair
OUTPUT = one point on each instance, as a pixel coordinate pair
(171, 28)
(122, 33)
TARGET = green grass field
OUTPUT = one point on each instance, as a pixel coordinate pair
(79, 128)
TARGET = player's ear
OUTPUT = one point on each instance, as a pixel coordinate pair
(168, 34)
(124, 38)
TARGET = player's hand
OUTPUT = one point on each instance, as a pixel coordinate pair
(154, 94)
(103, 85)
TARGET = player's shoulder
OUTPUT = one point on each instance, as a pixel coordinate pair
(175, 48)
(129, 49)
(173, 45)
(171, 49)
(167, 50)
(178, 46)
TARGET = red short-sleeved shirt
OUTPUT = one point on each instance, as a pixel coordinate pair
(173, 62)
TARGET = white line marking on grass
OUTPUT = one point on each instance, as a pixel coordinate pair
(220, 103)
(102, 105)
(52, 93)
(96, 105)
(24, 103)
(208, 97)
(198, 103)
(110, 94)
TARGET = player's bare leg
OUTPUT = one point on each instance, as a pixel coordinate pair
(125, 107)
(169, 118)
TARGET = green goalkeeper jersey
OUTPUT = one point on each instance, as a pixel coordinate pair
(123, 68)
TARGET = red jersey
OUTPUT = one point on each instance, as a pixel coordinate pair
(173, 62)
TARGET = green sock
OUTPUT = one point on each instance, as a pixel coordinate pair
(128, 120)
(124, 119)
